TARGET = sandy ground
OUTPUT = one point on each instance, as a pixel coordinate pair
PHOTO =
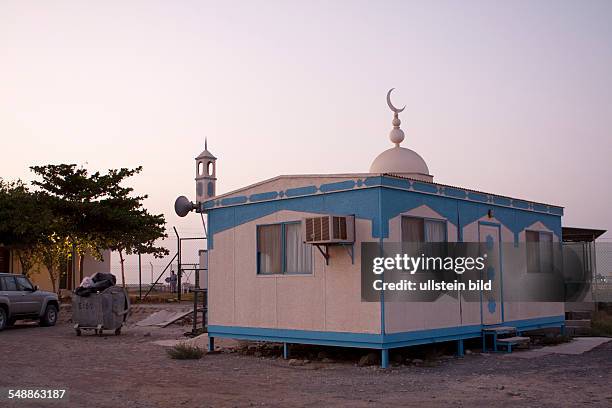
(131, 371)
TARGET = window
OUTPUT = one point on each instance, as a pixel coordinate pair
(23, 283)
(423, 230)
(281, 250)
(7, 283)
(539, 251)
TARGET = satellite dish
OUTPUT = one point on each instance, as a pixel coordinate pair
(182, 206)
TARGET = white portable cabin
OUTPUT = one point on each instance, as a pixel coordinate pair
(266, 283)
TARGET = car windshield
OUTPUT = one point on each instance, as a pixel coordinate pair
(23, 283)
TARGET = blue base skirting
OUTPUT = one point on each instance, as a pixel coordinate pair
(374, 341)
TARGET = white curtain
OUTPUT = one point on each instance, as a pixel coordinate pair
(298, 256)
(435, 231)
(269, 251)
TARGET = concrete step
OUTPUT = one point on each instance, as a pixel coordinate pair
(514, 340)
(500, 330)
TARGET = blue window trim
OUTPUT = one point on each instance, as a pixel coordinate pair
(283, 250)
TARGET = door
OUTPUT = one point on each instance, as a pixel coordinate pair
(491, 300)
(31, 301)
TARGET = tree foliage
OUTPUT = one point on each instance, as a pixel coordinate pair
(71, 209)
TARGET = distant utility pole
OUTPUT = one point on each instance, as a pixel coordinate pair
(139, 277)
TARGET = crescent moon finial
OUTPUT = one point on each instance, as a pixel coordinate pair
(397, 134)
(393, 108)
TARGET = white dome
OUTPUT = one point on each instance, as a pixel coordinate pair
(403, 162)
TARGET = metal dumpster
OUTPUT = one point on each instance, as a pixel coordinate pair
(106, 310)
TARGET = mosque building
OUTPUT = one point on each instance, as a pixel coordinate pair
(284, 254)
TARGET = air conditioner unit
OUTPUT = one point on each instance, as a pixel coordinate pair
(329, 229)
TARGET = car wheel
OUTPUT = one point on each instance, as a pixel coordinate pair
(50, 316)
(3, 319)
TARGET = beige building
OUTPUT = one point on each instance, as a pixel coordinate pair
(9, 262)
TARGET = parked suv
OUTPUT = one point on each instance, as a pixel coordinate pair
(19, 299)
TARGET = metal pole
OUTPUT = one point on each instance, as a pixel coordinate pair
(195, 301)
(139, 277)
(179, 273)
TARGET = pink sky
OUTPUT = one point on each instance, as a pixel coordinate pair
(513, 98)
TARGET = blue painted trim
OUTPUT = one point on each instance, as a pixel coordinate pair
(454, 192)
(477, 197)
(425, 187)
(403, 339)
(540, 207)
(234, 200)
(361, 340)
(374, 341)
(506, 202)
(301, 191)
(363, 205)
(397, 183)
(373, 181)
(271, 195)
(520, 204)
(341, 185)
(555, 210)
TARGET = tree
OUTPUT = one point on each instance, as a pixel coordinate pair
(101, 213)
(52, 253)
(24, 221)
(132, 229)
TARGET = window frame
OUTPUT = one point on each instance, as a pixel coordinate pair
(425, 220)
(283, 251)
(541, 269)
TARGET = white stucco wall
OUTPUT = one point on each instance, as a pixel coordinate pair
(327, 300)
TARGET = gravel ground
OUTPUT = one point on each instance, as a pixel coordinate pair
(130, 371)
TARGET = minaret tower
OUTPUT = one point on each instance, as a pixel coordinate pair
(206, 175)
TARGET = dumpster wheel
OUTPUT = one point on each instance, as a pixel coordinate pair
(118, 331)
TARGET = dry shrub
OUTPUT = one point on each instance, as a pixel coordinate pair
(601, 324)
(184, 351)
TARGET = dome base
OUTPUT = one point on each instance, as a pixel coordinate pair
(402, 162)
